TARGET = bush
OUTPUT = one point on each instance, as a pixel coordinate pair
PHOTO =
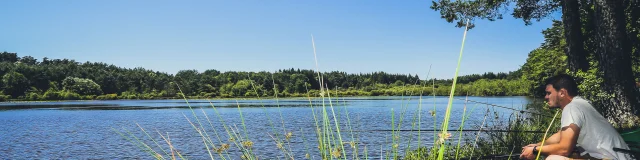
(148, 96)
(89, 97)
(81, 86)
(224, 95)
(71, 96)
(284, 94)
(107, 97)
(377, 92)
(298, 95)
(32, 96)
(250, 94)
(52, 95)
(209, 95)
(128, 95)
(4, 97)
(314, 93)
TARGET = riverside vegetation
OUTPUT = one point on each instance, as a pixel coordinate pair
(26, 78)
(587, 57)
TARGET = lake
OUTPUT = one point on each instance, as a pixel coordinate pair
(85, 129)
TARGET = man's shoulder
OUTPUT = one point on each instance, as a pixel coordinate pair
(579, 101)
(577, 105)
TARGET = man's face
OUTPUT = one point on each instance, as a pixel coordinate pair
(552, 97)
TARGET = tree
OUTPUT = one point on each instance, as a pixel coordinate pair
(8, 57)
(81, 86)
(299, 83)
(67, 79)
(541, 64)
(576, 55)
(545, 61)
(188, 80)
(29, 60)
(242, 88)
(612, 45)
(614, 52)
(108, 82)
(15, 84)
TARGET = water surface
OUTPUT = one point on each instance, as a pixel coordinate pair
(85, 129)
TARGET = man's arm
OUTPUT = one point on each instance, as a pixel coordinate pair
(568, 138)
(554, 139)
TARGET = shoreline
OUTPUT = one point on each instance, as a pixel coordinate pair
(232, 98)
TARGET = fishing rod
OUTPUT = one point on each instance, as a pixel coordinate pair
(451, 130)
(504, 107)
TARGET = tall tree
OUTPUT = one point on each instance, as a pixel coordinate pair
(576, 55)
(8, 57)
(633, 15)
(613, 48)
(614, 51)
(15, 84)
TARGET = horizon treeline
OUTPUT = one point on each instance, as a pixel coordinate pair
(26, 78)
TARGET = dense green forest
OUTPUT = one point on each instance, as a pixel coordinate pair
(26, 78)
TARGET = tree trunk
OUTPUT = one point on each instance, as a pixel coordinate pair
(633, 15)
(589, 26)
(576, 55)
(614, 50)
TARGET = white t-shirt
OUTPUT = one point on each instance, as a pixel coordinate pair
(597, 136)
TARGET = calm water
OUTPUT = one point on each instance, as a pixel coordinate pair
(84, 129)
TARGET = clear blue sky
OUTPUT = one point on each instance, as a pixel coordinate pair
(263, 35)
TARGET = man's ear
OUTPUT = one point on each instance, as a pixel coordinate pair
(562, 93)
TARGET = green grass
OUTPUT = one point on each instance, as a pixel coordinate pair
(445, 123)
(329, 130)
(330, 140)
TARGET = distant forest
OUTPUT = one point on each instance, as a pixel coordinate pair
(27, 78)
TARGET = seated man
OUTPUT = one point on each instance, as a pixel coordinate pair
(581, 127)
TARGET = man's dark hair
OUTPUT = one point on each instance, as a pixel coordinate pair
(563, 81)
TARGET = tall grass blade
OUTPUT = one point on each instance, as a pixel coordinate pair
(445, 124)
(319, 135)
(202, 135)
(336, 122)
(147, 148)
(152, 139)
(275, 91)
(216, 133)
(544, 138)
(413, 123)
(208, 149)
(168, 140)
(352, 143)
(393, 134)
(464, 112)
(139, 144)
(433, 113)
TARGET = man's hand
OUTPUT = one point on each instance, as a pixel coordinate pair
(531, 145)
(527, 153)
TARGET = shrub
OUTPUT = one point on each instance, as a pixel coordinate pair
(107, 97)
(71, 96)
(52, 95)
(81, 86)
(4, 97)
(32, 96)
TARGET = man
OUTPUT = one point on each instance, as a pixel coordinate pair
(582, 128)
